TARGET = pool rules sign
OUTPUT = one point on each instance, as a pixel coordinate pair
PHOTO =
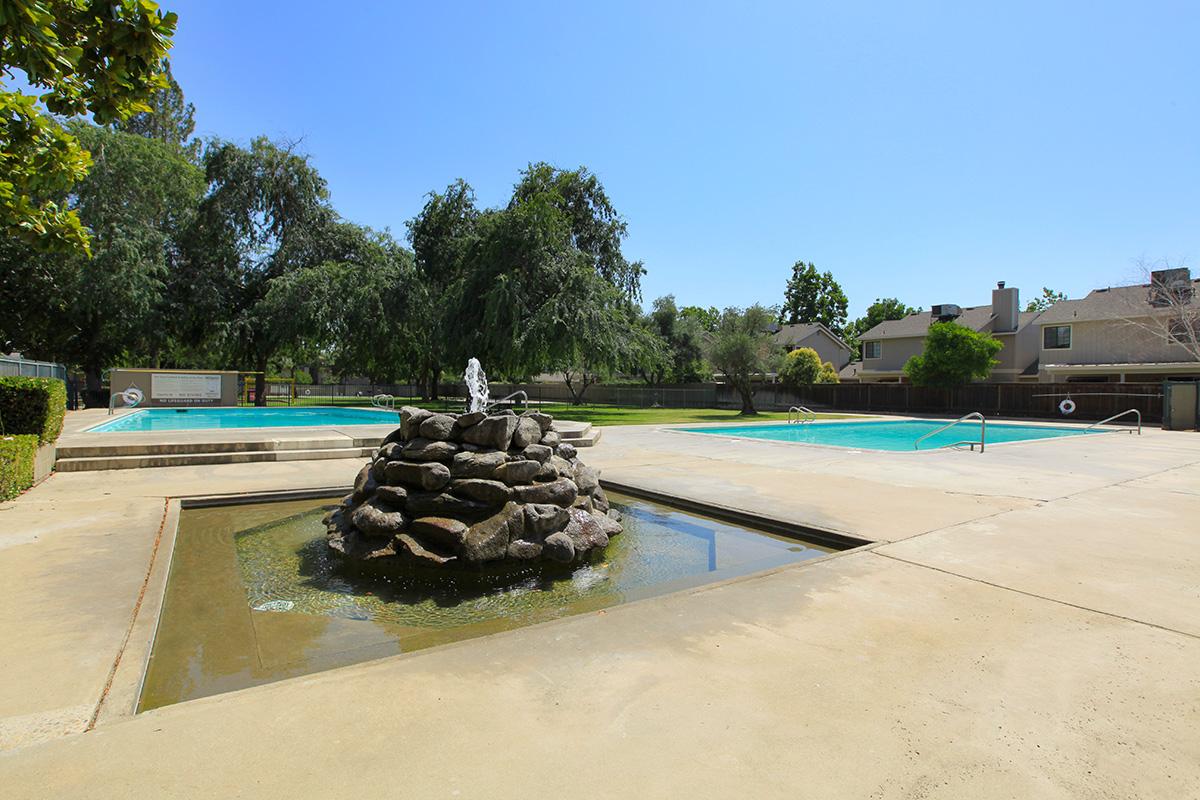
(171, 388)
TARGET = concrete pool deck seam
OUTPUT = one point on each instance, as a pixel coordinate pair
(137, 607)
(878, 550)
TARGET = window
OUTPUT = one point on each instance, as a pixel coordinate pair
(1056, 337)
(872, 349)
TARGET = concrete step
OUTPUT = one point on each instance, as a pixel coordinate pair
(194, 447)
(581, 437)
(90, 463)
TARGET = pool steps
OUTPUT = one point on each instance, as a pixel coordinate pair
(139, 455)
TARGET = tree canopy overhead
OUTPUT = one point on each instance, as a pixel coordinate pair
(101, 59)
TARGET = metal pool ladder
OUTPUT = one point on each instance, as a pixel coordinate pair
(521, 393)
(1124, 413)
(801, 414)
(385, 401)
(973, 415)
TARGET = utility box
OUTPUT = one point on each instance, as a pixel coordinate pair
(178, 387)
(1181, 405)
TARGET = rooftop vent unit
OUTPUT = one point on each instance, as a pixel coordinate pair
(946, 312)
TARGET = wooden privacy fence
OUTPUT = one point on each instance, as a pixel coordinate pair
(1093, 401)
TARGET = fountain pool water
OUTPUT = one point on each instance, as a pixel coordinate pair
(255, 595)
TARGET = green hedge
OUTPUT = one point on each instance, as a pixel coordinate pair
(32, 405)
(16, 464)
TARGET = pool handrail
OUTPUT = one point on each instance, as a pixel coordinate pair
(810, 415)
(384, 401)
(519, 393)
(973, 415)
(1126, 412)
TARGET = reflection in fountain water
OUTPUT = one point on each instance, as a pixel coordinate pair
(255, 595)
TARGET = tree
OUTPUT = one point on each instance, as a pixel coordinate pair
(706, 318)
(102, 59)
(350, 310)
(138, 199)
(1048, 298)
(265, 215)
(679, 355)
(170, 118)
(546, 287)
(953, 355)
(741, 347)
(801, 367)
(1168, 314)
(444, 238)
(829, 374)
(813, 296)
(882, 310)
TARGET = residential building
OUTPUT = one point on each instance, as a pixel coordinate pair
(1124, 333)
(829, 345)
(888, 346)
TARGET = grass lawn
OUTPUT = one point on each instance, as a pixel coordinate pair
(611, 415)
(597, 415)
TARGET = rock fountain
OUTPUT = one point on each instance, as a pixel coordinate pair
(471, 489)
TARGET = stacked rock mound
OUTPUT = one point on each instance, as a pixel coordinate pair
(472, 489)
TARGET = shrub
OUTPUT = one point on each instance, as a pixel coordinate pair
(16, 464)
(953, 356)
(828, 374)
(32, 405)
(801, 367)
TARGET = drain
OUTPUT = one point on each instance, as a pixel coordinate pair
(275, 605)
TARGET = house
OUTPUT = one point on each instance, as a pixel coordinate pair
(1145, 332)
(888, 346)
(829, 345)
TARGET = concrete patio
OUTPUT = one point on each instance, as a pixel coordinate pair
(1025, 626)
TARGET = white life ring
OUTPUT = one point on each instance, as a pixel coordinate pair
(132, 396)
(1067, 406)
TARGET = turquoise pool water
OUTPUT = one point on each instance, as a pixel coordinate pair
(890, 435)
(203, 419)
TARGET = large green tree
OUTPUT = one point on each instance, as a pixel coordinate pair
(882, 310)
(680, 339)
(138, 199)
(444, 239)
(953, 356)
(265, 215)
(813, 296)
(350, 311)
(170, 118)
(103, 59)
(546, 286)
(742, 348)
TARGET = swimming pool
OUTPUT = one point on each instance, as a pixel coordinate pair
(895, 435)
(203, 419)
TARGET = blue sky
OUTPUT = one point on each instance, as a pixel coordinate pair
(918, 150)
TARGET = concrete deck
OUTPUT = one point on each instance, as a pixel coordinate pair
(1027, 627)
